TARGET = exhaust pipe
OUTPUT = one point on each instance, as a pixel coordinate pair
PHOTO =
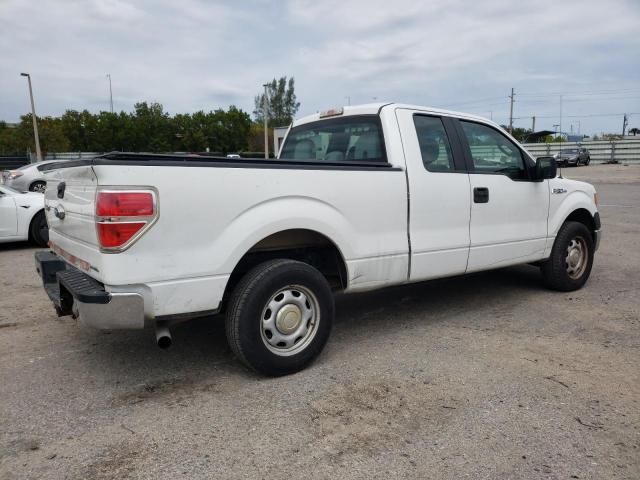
(163, 335)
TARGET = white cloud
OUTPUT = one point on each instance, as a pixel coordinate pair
(193, 54)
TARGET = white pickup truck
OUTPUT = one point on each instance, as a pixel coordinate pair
(360, 198)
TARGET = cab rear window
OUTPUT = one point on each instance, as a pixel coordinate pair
(345, 139)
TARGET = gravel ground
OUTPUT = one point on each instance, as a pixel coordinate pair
(485, 376)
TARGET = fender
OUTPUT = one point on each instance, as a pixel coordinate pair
(279, 214)
(559, 212)
(26, 213)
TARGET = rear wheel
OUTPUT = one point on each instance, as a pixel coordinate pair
(39, 230)
(38, 186)
(571, 259)
(280, 317)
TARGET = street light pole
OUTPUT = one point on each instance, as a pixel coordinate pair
(110, 92)
(265, 113)
(33, 117)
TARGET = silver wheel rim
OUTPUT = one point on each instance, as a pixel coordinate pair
(40, 187)
(577, 257)
(290, 320)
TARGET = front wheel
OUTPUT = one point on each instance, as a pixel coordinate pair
(39, 230)
(571, 259)
(280, 317)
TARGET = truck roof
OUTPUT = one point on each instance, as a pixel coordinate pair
(375, 108)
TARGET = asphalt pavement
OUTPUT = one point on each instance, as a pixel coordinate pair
(484, 376)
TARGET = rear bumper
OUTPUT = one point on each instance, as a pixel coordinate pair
(75, 293)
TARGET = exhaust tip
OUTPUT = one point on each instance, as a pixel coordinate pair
(164, 342)
(163, 336)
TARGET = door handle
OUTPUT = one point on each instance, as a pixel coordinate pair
(481, 195)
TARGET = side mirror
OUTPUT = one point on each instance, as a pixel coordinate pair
(546, 168)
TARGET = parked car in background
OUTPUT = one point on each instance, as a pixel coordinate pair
(28, 177)
(22, 217)
(575, 157)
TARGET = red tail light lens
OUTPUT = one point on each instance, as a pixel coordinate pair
(124, 204)
(121, 215)
(113, 235)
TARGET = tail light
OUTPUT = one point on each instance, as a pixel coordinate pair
(11, 174)
(122, 216)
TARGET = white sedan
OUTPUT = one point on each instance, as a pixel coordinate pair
(22, 217)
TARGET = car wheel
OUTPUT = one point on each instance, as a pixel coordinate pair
(280, 317)
(571, 259)
(588, 161)
(39, 230)
(38, 186)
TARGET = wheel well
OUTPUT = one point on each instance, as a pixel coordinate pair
(583, 216)
(303, 245)
(37, 181)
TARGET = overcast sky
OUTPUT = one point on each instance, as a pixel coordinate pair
(464, 55)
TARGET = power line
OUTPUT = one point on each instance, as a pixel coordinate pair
(575, 94)
(588, 115)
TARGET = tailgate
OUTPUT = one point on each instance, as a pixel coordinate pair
(70, 209)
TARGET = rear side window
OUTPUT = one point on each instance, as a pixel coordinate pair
(345, 139)
(434, 144)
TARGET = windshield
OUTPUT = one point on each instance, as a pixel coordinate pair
(356, 138)
(569, 150)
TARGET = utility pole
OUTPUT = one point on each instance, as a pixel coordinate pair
(560, 121)
(348, 100)
(110, 92)
(33, 117)
(265, 114)
(533, 124)
(624, 124)
(511, 111)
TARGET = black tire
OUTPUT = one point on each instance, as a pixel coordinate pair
(39, 230)
(588, 161)
(38, 186)
(249, 312)
(556, 270)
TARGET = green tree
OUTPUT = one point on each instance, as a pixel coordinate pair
(518, 133)
(148, 129)
(282, 103)
(8, 140)
(151, 129)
